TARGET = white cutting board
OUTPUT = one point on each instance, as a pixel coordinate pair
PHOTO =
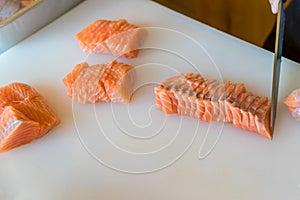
(115, 151)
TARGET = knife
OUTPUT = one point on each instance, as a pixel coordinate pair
(277, 62)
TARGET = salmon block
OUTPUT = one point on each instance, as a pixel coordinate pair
(112, 82)
(111, 37)
(208, 100)
(292, 101)
(24, 116)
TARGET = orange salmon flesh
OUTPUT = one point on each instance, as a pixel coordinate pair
(193, 95)
(24, 116)
(111, 37)
(292, 101)
(112, 82)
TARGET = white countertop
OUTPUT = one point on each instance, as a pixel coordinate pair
(113, 151)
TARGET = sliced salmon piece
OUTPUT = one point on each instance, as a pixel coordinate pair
(118, 81)
(200, 109)
(112, 37)
(193, 95)
(24, 115)
(112, 82)
(292, 101)
(259, 102)
(164, 101)
(25, 3)
(173, 100)
(262, 120)
(70, 79)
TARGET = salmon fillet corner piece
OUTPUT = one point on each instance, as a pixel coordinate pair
(193, 95)
(292, 101)
(119, 38)
(24, 115)
(16, 129)
(112, 82)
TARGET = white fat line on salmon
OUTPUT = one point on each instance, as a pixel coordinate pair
(8, 128)
(21, 94)
(18, 101)
(118, 47)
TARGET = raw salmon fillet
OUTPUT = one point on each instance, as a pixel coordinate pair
(193, 95)
(24, 115)
(111, 37)
(112, 82)
(292, 101)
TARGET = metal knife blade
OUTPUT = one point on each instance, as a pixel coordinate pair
(277, 63)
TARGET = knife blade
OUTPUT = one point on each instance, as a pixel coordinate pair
(277, 63)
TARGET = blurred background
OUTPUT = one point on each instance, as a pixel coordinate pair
(251, 20)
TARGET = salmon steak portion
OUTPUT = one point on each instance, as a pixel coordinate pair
(193, 95)
(25, 115)
(112, 82)
(111, 37)
(292, 101)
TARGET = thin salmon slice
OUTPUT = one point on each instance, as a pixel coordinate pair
(112, 82)
(193, 95)
(111, 37)
(24, 116)
(292, 101)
